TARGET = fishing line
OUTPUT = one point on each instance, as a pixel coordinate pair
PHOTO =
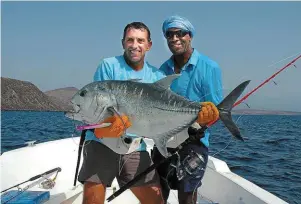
(196, 189)
(284, 59)
(230, 141)
(165, 178)
(113, 110)
(206, 199)
(120, 169)
(263, 83)
(247, 95)
(241, 100)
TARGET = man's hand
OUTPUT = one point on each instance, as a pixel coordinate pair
(208, 113)
(116, 129)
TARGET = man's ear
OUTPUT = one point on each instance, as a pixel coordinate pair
(150, 43)
(122, 42)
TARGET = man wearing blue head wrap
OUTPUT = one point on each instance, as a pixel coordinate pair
(200, 81)
(178, 22)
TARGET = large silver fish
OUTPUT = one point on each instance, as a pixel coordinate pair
(154, 110)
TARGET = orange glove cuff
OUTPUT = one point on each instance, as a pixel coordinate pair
(209, 113)
(116, 129)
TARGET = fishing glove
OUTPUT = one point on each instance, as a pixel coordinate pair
(117, 128)
(209, 113)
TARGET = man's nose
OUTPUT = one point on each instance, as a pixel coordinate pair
(173, 38)
(135, 44)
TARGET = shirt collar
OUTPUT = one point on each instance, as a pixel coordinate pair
(131, 68)
(192, 61)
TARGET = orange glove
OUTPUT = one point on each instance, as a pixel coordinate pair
(208, 113)
(116, 129)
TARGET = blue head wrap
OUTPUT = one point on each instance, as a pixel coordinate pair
(178, 22)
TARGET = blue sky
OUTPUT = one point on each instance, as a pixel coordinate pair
(59, 44)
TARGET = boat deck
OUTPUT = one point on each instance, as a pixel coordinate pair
(220, 185)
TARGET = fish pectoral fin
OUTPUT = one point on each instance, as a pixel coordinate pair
(161, 145)
(166, 81)
(134, 80)
(162, 139)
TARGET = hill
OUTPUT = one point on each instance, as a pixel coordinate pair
(62, 96)
(23, 95)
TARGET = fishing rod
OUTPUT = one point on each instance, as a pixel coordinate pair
(174, 154)
(260, 85)
(49, 183)
(57, 169)
(81, 142)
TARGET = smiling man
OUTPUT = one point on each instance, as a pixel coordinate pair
(101, 164)
(200, 81)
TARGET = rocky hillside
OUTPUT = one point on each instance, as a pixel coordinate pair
(23, 95)
(62, 96)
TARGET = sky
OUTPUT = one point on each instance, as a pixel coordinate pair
(59, 44)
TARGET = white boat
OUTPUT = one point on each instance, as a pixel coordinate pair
(220, 185)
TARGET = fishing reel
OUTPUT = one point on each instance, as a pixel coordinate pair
(191, 165)
(48, 184)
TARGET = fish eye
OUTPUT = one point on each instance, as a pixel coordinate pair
(83, 93)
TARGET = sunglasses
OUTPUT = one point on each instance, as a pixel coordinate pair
(178, 33)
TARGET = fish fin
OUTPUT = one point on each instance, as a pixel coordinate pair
(166, 81)
(134, 80)
(161, 145)
(225, 108)
(161, 140)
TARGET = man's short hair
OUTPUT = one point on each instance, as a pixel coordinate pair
(137, 25)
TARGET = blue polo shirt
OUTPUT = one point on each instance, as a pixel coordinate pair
(116, 68)
(200, 81)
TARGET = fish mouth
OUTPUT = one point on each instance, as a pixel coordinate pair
(77, 113)
(70, 113)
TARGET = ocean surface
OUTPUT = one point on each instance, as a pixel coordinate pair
(270, 157)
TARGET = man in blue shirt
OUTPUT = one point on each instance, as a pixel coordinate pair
(200, 81)
(101, 164)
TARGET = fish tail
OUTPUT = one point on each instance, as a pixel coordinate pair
(226, 106)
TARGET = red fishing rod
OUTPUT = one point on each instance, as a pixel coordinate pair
(260, 85)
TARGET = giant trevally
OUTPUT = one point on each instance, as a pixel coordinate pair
(154, 110)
